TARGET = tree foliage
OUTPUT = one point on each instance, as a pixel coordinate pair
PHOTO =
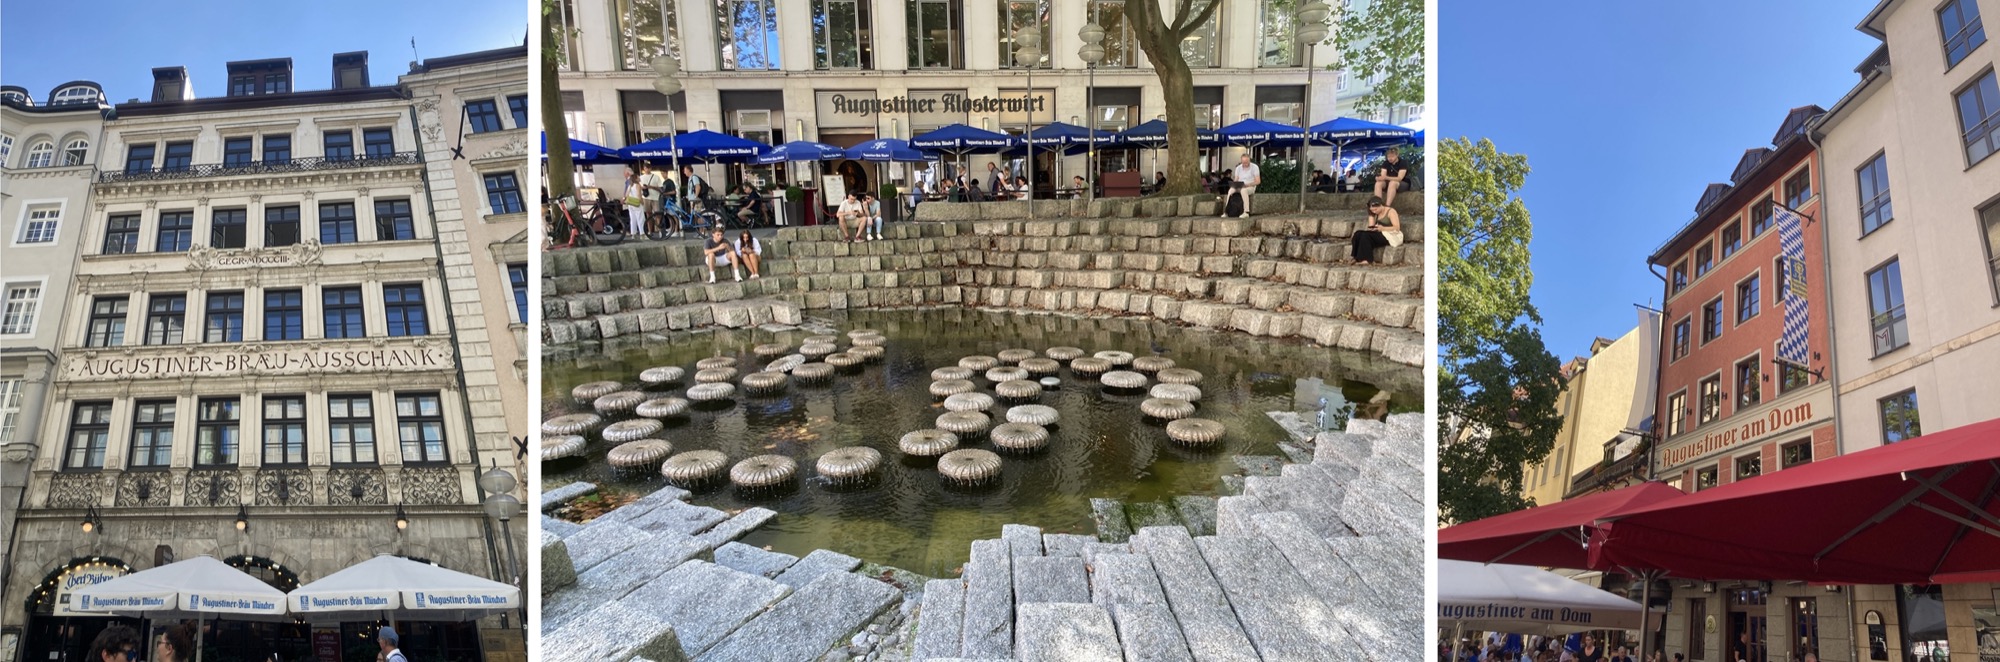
(1497, 382)
(1387, 37)
(1161, 39)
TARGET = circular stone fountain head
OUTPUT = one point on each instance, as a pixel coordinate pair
(715, 362)
(787, 364)
(1042, 415)
(964, 423)
(771, 350)
(870, 341)
(1179, 376)
(1195, 431)
(1018, 389)
(1006, 373)
(588, 392)
(1167, 409)
(968, 402)
(927, 443)
(571, 424)
(951, 372)
(1089, 366)
(764, 382)
(559, 446)
(1014, 356)
(1062, 353)
(1152, 364)
(1125, 379)
(945, 388)
(843, 360)
(711, 392)
(969, 466)
(1117, 358)
(867, 352)
(631, 430)
(817, 350)
(850, 464)
(1019, 437)
(978, 363)
(809, 373)
(714, 375)
(694, 467)
(643, 452)
(666, 374)
(1041, 367)
(1188, 392)
(763, 472)
(616, 402)
(662, 408)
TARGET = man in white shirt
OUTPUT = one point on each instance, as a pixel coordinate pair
(1247, 173)
(650, 182)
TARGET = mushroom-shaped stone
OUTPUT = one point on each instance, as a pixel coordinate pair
(842, 360)
(1019, 436)
(786, 364)
(1014, 356)
(711, 392)
(812, 372)
(571, 424)
(1179, 376)
(870, 341)
(968, 402)
(978, 363)
(1123, 379)
(591, 391)
(631, 430)
(1152, 364)
(864, 332)
(849, 464)
(619, 401)
(1017, 389)
(643, 452)
(763, 471)
(867, 352)
(559, 446)
(967, 466)
(764, 382)
(1062, 353)
(1116, 357)
(662, 408)
(714, 375)
(1041, 367)
(1089, 366)
(927, 443)
(951, 372)
(1050, 383)
(1006, 373)
(715, 362)
(1195, 431)
(1188, 392)
(817, 350)
(666, 374)
(771, 350)
(963, 423)
(945, 388)
(825, 338)
(694, 467)
(1167, 409)
(1042, 415)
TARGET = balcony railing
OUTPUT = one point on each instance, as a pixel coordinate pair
(307, 164)
(1601, 474)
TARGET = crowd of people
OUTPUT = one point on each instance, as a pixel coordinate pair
(1501, 647)
(176, 643)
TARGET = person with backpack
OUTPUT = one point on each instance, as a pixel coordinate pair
(694, 189)
(388, 640)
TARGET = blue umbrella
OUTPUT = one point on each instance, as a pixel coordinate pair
(1152, 134)
(959, 139)
(801, 150)
(583, 153)
(1253, 132)
(705, 146)
(886, 149)
(1068, 138)
(1417, 138)
(1347, 130)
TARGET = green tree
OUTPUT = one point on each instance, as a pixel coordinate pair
(1387, 37)
(1497, 382)
(1161, 39)
(553, 126)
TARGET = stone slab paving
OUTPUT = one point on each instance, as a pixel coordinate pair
(1022, 540)
(559, 528)
(1198, 602)
(1050, 579)
(820, 562)
(1092, 550)
(803, 627)
(679, 517)
(640, 634)
(557, 570)
(1151, 514)
(1065, 544)
(1051, 632)
(552, 498)
(1125, 579)
(735, 527)
(1284, 618)
(941, 621)
(614, 578)
(989, 601)
(1149, 634)
(599, 542)
(704, 602)
(1198, 513)
(1329, 575)
(752, 560)
(1109, 515)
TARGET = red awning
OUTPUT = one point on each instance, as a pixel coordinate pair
(1551, 536)
(1922, 511)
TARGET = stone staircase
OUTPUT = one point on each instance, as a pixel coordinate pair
(1318, 561)
(1276, 276)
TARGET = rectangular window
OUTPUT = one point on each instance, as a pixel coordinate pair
(841, 35)
(1760, 217)
(1711, 400)
(351, 428)
(420, 427)
(483, 116)
(152, 433)
(1121, 46)
(1697, 643)
(238, 152)
(277, 148)
(517, 274)
(41, 226)
(342, 312)
(89, 433)
(107, 322)
(1805, 625)
(1704, 259)
(336, 223)
(1795, 453)
(1958, 21)
(1706, 478)
(10, 409)
(1899, 417)
(339, 145)
(24, 298)
(176, 232)
(379, 143)
(1792, 377)
(747, 34)
(1979, 117)
(139, 158)
(216, 431)
(1677, 413)
(503, 193)
(1748, 296)
(1732, 238)
(1277, 46)
(179, 156)
(1749, 466)
(166, 319)
(242, 85)
(1873, 178)
(284, 315)
(224, 318)
(1202, 49)
(122, 235)
(518, 105)
(393, 221)
(277, 84)
(1885, 307)
(1749, 383)
(1798, 189)
(1989, 220)
(647, 29)
(281, 226)
(1680, 277)
(403, 305)
(1681, 337)
(935, 34)
(229, 228)
(284, 429)
(1711, 321)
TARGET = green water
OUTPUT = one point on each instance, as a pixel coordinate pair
(910, 519)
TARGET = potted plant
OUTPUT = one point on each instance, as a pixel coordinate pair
(892, 205)
(795, 207)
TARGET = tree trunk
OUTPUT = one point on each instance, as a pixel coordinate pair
(559, 171)
(1183, 153)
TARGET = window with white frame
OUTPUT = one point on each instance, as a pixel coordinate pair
(40, 225)
(23, 299)
(6, 149)
(76, 152)
(747, 34)
(41, 155)
(10, 408)
(648, 29)
(1278, 45)
(935, 31)
(1203, 47)
(1121, 46)
(841, 35)
(1340, 80)
(75, 94)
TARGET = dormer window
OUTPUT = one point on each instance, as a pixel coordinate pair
(16, 97)
(75, 94)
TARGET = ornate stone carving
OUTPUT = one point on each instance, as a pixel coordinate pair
(144, 488)
(212, 487)
(302, 254)
(256, 198)
(516, 147)
(361, 191)
(341, 484)
(68, 490)
(431, 486)
(152, 204)
(284, 487)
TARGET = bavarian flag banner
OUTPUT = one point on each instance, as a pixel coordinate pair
(1792, 347)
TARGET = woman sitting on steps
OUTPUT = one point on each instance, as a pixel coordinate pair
(1384, 229)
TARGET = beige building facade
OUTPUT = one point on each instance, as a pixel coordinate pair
(1607, 395)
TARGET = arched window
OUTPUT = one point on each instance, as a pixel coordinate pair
(74, 94)
(17, 97)
(42, 155)
(75, 152)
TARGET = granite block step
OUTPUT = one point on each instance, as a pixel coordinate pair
(1125, 579)
(1066, 632)
(819, 562)
(1330, 576)
(1197, 512)
(1277, 609)
(559, 528)
(704, 602)
(989, 601)
(812, 621)
(556, 497)
(1109, 516)
(599, 542)
(735, 527)
(641, 634)
(1065, 544)
(744, 558)
(941, 621)
(1152, 513)
(1198, 602)
(1023, 540)
(619, 576)
(1050, 579)
(557, 570)
(1148, 633)
(679, 517)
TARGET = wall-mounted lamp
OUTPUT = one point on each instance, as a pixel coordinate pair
(242, 518)
(402, 520)
(91, 521)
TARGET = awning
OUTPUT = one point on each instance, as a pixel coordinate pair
(1553, 536)
(397, 588)
(200, 587)
(705, 146)
(1526, 600)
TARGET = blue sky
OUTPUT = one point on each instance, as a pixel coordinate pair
(1626, 110)
(44, 43)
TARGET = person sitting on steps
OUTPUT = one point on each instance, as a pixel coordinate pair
(1250, 176)
(718, 247)
(871, 217)
(752, 253)
(850, 212)
(1389, 179)
(1385, 228)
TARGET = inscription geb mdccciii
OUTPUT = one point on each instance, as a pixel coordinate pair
(289, 361)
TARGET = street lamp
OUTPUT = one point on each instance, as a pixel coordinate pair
(666, 84)
(1028, 46)
(242, 518)
(1312, 28)
(500, 504)
(1092, 53)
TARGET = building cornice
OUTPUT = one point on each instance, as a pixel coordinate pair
(257, 182)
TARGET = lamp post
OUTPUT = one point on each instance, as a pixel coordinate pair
(666, 84)
(1092, 53)
(500, 504)
(1028, 46)
(1312, 28)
